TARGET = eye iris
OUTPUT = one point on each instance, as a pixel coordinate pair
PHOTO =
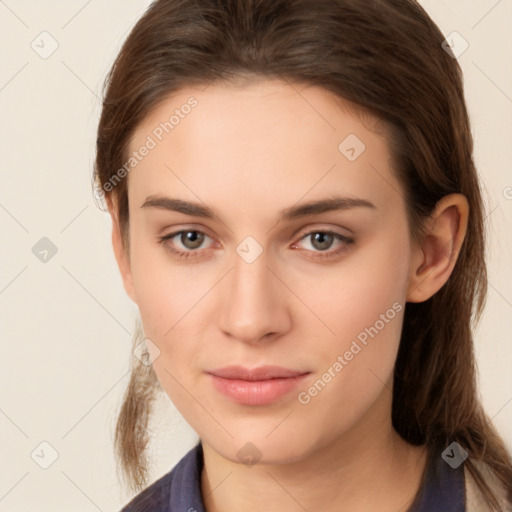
(322, 237)
(192, 239)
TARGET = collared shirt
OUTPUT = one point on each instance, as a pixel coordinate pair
(179, 490)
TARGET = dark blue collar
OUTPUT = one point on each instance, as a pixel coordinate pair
(442, 487)
(179, 490)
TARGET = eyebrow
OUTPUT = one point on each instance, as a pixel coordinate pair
(294, 212)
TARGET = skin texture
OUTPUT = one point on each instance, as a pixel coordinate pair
(249, 152)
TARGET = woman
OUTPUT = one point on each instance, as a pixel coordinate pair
(297, 215)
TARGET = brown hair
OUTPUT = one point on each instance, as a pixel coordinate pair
(384, 56)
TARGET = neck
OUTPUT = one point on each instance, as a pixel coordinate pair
(369, 468)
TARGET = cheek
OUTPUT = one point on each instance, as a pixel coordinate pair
(167, 302)
(170, 298)
(352, 296)
(162, 291)
(363, 303)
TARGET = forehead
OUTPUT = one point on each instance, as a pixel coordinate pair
(259, 104)
(265, 136)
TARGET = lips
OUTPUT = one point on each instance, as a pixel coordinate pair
(256, 386)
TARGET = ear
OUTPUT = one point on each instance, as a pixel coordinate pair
(433, 260)
(121, 253)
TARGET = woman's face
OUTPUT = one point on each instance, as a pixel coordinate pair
(319, 292)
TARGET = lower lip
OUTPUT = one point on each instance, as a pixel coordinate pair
(257, 392)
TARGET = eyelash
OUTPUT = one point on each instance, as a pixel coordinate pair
(347, 241)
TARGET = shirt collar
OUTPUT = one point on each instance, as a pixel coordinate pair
(442, 487)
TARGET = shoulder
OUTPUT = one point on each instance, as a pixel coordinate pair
(169, 492)
(474, 498)
(155, 497)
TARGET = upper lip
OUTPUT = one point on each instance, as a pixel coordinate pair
(259, 373)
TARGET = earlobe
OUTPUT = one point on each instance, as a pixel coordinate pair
(433, 262)
(120, 252)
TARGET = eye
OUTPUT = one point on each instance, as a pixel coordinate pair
(190, 239)
(323, 240)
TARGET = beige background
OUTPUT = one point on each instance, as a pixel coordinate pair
(66, 324)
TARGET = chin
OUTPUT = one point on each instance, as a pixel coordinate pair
(258, 447)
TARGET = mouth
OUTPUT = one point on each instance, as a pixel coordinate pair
(256, 386)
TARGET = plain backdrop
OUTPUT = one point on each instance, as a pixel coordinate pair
(66, 322)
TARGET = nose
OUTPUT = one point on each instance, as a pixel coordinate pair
(254, 302)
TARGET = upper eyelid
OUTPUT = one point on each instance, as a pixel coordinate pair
(335, 231)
